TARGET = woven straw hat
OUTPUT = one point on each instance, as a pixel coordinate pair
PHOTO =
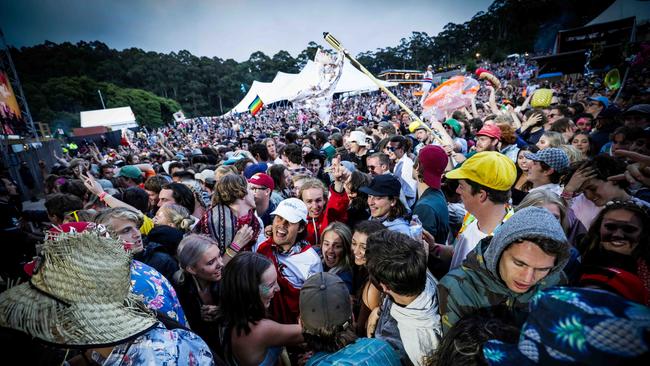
(79, 295)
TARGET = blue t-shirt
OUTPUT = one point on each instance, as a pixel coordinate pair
(432, 211)
(365, 351)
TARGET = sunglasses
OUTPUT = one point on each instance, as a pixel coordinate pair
(626, 228)
(393, 148)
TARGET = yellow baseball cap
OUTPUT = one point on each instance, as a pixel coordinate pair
(488, 168)
(417, 125)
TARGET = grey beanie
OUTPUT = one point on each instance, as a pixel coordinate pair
(526, 223)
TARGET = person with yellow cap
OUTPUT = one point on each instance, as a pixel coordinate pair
(484, 186)
(422, 134)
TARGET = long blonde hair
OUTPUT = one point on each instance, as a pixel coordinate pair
(344, 232)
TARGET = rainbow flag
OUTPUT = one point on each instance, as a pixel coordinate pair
(255, 105)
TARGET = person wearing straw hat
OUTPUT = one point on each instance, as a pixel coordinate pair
(79, 297)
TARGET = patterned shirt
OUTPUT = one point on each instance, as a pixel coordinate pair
(160, 346)
(365, 351)
(157, 293)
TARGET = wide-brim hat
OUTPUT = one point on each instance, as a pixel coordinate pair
(79, 295)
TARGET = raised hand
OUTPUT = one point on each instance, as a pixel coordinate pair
(579, 178)
(91, 184)
(639, 171)
(243, 236)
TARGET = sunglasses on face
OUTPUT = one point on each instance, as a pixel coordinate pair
(626, 228)
(393, 148)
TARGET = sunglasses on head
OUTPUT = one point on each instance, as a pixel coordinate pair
(73, 214)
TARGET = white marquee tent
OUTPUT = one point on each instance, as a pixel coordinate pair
(285, 86)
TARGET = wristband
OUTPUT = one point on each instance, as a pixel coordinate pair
(235, 247)
(567, 195)
(231, 253)
(102, 196)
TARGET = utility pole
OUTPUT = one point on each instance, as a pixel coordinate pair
(100, 98)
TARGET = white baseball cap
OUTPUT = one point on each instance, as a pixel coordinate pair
(359, 137)
(292, 210)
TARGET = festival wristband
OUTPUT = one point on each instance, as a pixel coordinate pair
(231, 253)
(235, 247)
(102, 196)
(567, 195)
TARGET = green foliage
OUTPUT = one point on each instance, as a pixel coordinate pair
(64, 77)
(201, 86)
(508, 26)
(59, 101)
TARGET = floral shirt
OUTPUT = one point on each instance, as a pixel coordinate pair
(160, 346)
(158, 294)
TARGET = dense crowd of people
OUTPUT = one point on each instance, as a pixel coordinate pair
(513, 230)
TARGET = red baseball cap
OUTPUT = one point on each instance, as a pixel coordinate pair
(490, 130)
(263, 180)
(433, 160)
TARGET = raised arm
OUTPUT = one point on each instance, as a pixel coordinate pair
(95, 188)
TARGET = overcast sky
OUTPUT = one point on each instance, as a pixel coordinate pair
(228, 29)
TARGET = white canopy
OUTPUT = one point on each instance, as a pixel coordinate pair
(622, 9)
(114, 118)
(284, 85)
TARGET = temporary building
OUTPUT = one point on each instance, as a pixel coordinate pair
(113, 118)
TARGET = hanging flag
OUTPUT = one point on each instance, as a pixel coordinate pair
(255, 105)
